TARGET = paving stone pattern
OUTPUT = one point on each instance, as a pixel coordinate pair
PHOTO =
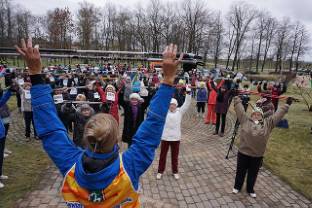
(206, 176)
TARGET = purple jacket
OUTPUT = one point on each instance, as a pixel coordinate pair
(223, 104)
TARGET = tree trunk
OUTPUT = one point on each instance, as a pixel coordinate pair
(258, 53)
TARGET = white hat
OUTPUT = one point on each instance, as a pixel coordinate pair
(135, 96)
(174, 101)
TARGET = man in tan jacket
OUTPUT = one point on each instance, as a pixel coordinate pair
(254, 135)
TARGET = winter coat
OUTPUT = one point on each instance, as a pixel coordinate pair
(26, 102)
(110, 107)
(130, 127)
(223, 101)
(172, 129)
(212, 100)
(254, 137)
(202, 95)
(79, 122)
(127, 91)
(90, 97)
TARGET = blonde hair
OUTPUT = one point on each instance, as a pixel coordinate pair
(101, 133)
(81, 97)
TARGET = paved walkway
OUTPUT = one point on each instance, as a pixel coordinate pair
(206, 178)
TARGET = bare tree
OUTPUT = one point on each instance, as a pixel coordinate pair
(280, 43)
(302, 45)
(262, 20)
(195, 16)
(60, 27)
(218, 32)
(23, 21)
(294, 45)
(155, 20)
(87, 20)
(230, 46)
(141, 32)
(268, 36)
(38, 30)
(240, 17)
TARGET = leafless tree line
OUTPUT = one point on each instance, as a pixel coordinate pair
(244, 33)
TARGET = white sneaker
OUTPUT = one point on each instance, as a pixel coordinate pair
(176, 176)
(158, 176)
(5, 155)
(7, 151)
(253, 195)
(235, 191)
(3, 177)
(1, 185)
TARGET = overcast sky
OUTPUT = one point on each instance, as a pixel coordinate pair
(295, 9)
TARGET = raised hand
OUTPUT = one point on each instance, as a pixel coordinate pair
(169, 64)
(31, 55)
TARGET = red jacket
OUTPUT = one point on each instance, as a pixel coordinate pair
(114, 108)
(212, 99)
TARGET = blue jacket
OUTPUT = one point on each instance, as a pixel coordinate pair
(3, 101)
(202, 95)
(65, 154)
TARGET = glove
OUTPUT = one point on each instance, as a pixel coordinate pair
(289, 100)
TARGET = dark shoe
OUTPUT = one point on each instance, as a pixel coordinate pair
(221, 134)
(215, 133)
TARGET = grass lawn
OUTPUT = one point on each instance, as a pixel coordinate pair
(24, 167)
(289, 151)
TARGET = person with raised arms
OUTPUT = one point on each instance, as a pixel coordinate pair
(99, 176)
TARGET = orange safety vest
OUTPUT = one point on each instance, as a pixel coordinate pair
(119, 194)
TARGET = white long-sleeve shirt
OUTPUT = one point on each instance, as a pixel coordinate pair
(172, 128)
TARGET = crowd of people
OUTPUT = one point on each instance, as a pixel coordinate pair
(89, 104)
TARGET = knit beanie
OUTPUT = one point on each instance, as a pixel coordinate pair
(174, 101)
(135, 96)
